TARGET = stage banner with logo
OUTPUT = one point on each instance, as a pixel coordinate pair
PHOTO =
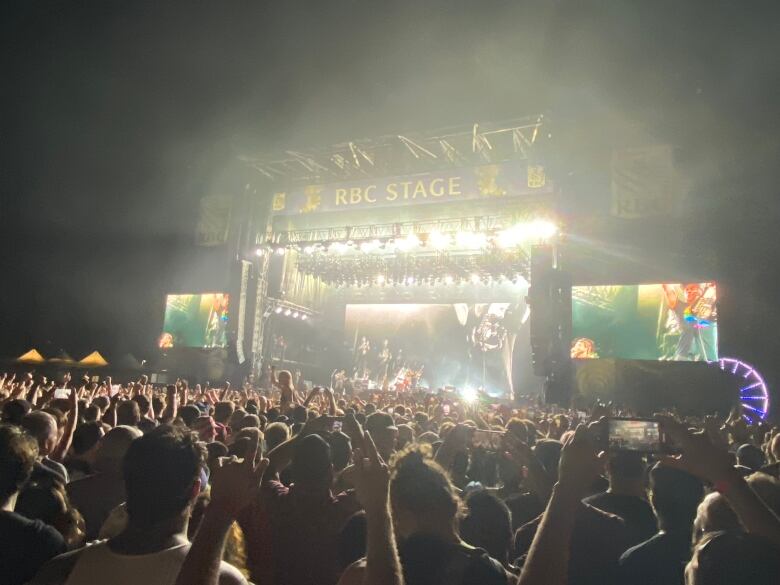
(645, 182)
(494, 181)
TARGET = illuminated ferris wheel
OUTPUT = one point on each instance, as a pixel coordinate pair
(753, 392)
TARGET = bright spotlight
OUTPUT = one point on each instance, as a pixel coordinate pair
(287, 313)
(380, 278)
(259, 252)
(439, 241)
(410, 280)
(367, 247)
(469, 395)
(278, 310)
(471, 240)
(337, 248)
(295, 315)
(407, 243)
(304, 317)
(542, 229)
(448, 279)
(475, 278)
(280, 251)
(308, 250)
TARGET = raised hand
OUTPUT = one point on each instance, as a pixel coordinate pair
(580, 462)
(235, 483)
(370, 476)
(700, 456)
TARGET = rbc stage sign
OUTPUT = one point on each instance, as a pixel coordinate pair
(494, 181)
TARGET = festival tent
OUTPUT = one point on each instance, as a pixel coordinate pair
(62, 358)
(93, 360)
(31, 357)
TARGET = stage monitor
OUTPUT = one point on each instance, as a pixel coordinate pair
(666, 322)
(196, 320)
(460, 345)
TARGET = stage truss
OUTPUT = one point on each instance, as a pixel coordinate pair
(478, 143)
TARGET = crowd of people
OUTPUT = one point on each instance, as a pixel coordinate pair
(137, 483)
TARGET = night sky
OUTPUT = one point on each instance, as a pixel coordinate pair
(118, 115)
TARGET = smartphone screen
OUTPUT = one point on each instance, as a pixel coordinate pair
(446, 409)
(632, 434)
(62, 393)
(489, 440)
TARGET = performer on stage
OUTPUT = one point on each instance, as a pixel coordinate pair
(692, 317)
(384, 359)
(361, 357)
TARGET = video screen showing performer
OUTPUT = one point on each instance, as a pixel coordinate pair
(668, 322)
(195, 320)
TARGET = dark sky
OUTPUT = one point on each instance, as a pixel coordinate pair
(118, 115)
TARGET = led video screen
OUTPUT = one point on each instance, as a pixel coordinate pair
(668, 322)
(197, 320)
(463, 345)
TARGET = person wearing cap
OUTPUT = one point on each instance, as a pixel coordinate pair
(384, 432)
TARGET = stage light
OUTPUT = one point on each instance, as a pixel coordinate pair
(407, 243)
(259, 252)
(308, 250)
(337, 247)
(295, 315)
(278, 310)
(350, 243)
(475, 278)
(448, 279)
(280, 251)
(304, 317)
(287, 313)
(469, 395)
(439, 241)
(367, 247)
(410, 280)
(471, 240)
(542, 229)
(380, 278)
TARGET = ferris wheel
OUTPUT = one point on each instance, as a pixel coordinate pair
(753, 393)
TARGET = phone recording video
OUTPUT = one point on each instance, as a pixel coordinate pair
(338, 423)
(488, 440)
(634, 434)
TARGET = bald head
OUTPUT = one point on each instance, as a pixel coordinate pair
(113, 447)
(43, 428)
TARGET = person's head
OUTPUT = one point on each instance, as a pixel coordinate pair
(223, 411)
(15, 410)
(384, 432)
(421, 494)
(113, 447)
(548, 452)
(488, 525)
(43, 428)
(312, 464)
(162, 472)
(285, 379)
(143, 403)
(405, 436)
(49, 503)
(250, 421)
(128, 413)
(86, 439)
(340, 449)
(675, 496)
(18, 453)
(214, 451)
(714, 515)
(733, 558)
(189, 414)
(206, 428)
(300, 414)
(275, 434)
(691, 292)
(751, 457)
(626, 472)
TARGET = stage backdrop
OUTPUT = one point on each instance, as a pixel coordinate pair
(460, 344)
